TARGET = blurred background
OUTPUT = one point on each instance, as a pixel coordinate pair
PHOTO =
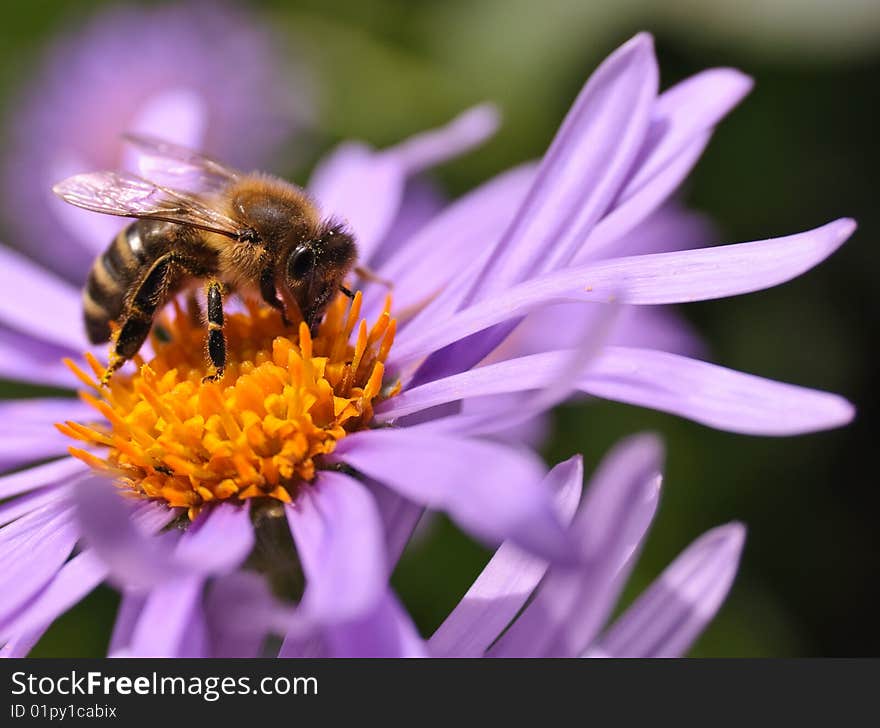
(801, 150)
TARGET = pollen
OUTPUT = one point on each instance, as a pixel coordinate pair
(260, 432)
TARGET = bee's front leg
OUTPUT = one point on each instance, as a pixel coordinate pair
(216, 339)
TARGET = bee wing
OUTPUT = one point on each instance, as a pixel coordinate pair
(179, 167)
(126, 195)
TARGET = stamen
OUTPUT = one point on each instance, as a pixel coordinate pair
(283, 403)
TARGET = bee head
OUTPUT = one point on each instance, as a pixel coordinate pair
(316, 268)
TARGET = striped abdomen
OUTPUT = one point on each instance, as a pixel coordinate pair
(112, 275)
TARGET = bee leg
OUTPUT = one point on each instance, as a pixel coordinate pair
(346, 292)
(270, 295)
(315, 314)
(138, 320)
(129, 341)
(216, 339)
(371, 277)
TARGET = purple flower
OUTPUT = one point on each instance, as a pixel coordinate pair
(202, 74)
(575, 232)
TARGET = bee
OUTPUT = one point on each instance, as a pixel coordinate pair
(198, 220)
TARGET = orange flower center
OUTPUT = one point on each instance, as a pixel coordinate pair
(261, 431)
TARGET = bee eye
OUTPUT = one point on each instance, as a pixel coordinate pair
(301, 262)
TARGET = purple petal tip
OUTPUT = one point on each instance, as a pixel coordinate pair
(485, 117)
(651, 446)
(846, 414)
(642, 39)
(733, 533)
(741, 83)
(846, 227)
(727, 542)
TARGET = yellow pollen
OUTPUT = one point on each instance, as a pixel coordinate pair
(284, 402)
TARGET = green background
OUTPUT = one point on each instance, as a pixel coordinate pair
(801, 150)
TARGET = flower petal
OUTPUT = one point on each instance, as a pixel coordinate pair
(40, 412)
(707, 273)
(53, 305)
(492, 491)
(553, 375)
(74, 580)
(572, 603)
(513, 375)
(365, 188)
(423, 200)
(582, 171)
(58, 471)
(681, 114)
(215, 543)
(387, 631)
(670, 228)
(435, 146)
(692, 275)
(166, 623)
(712, 395)
(507, 581)
(675, 609)
(134, 557)
(561, 383)
(177, 114)
(197, 639)
(30, 445)
(24, 358)
(27, 431)
(659, 327)
(681, 125)
(241, 613)
(130, 608)
(309, 645)
(338, 534)
(563, 326)
(21, 645)
(445, 246)
(532, 433)
(637, 208)
(32, 551)
(218, 541)
(399, 519)
(14, 508)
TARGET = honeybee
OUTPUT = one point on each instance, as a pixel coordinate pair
(198, 220)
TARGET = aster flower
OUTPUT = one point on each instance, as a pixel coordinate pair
(520, 606)
(359, 432)
(205, 75)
